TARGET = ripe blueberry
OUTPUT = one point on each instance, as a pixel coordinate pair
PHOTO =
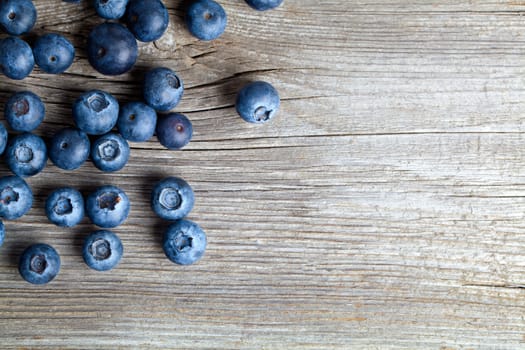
(263, 5)
(137, 121)
(95, 112)
(147, 19)
(163, 89)
(69, 148)
(24, 111)
(184, 242)
(65, 207)
(174, 130)
(112, 49)
(110, 152)
(39, 264)
(53, 53)
(17, 16)
(102, 250)
(26, 154)
(110, 9)
(2, 233)
(172, 198)
(206, 19)
(108, 206)
(257, 102)
(16, 58)
(16, 197)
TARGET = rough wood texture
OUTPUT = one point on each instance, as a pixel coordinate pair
(384, 208)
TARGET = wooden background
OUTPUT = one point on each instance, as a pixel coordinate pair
(384, 207)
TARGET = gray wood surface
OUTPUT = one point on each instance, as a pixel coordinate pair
(384, 208)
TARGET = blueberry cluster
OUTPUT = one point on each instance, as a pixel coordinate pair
(112, 50)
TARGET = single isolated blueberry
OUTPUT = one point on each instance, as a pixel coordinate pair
(147, 19)
(26, 154)
(102, 250)
(137, 121)
(172, 198)
(108, 206)
(95, 112)
(257, 102)
(65, 207)
(16, 58)
(110, 152)
(53, 53)
(263, 5)
(17, 16)
(2, 233)
(24, 111)
(206, 19)
(174, 130)
(110, 9)
(16, 197)
(69, 148)
(112, 49)
(39, 264)
(184, 242)
(163, 89)
(3, 138)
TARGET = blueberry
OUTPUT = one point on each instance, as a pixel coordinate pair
(108, 206)
(24, 111)
(17, 16)
(26, 154)
(137, 121)
(184, 242)
(53, 53)
(163, 89)
(95, 112)
(16, 197)
(69, 148)
(2, 233)
(102, 250)
(3, 138)
(112, 49)
(206, 19)
(39, 264)
(65, 207)
(174, 130)
(110, 152)
(257, 102)
(147, 19)
(263, 5)
(16, 58)
(110, 9)
(172, 198)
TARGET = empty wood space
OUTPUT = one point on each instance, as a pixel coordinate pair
(383, 208)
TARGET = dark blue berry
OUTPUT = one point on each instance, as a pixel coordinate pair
(110, 9)
(184, 242)
(137, 121)
(39, 264)
(263, 5)
(16, 58)
(206, 19)
(17, 16)
(65, 207)
(163, 89)
(172, 198)
(2, 233)
(147, 19)
(95, 112)
(257, 102)
(53, 53)
(24, 111)
(16, 197)
(112, 49)
(26, 154)
(3, 138)
(174, 130)
(102, 250)
(108, 206)
(110, 152)
(69, 148)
